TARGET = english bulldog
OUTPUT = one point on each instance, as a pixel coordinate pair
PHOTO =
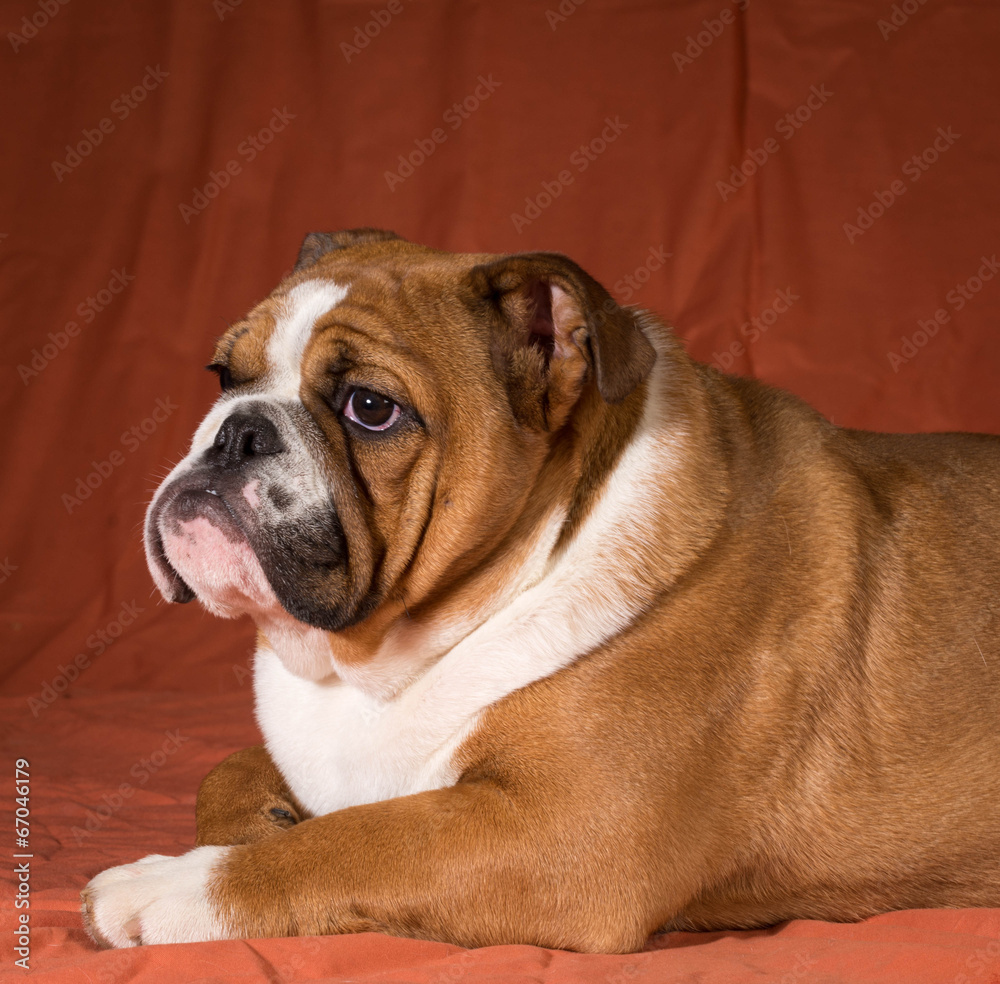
(563, 637)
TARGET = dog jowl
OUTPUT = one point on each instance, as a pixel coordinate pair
(581, 639)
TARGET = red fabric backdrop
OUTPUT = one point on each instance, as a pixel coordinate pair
(807, 191)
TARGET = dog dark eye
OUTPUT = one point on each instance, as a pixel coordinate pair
(225, 376)
(371, 410)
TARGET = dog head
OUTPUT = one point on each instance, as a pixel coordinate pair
(386, 419)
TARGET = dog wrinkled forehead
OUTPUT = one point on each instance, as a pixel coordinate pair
(269, 344)
(539, 321)
(272, 338)
(295, 320)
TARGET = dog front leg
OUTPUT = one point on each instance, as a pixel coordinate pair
(245, 799)
(471, 865)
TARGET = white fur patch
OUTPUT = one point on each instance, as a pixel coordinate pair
(301, 477)
(304, 305)
(227, 577)
(156, 900)
(351, 739)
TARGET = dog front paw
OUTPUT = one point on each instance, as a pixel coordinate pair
(157, 899)
(244, 799)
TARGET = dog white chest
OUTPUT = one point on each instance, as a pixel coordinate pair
(337, 746)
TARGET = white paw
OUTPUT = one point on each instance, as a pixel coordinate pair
(155, 900)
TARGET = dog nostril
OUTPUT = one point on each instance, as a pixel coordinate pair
(244, 435)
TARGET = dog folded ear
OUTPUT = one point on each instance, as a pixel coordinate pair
(554, 324)
(316, 244)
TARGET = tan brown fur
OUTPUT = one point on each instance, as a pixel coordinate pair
(803, 722)
(474, 514)
(245, 799)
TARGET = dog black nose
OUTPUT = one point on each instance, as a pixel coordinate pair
(244, 434)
